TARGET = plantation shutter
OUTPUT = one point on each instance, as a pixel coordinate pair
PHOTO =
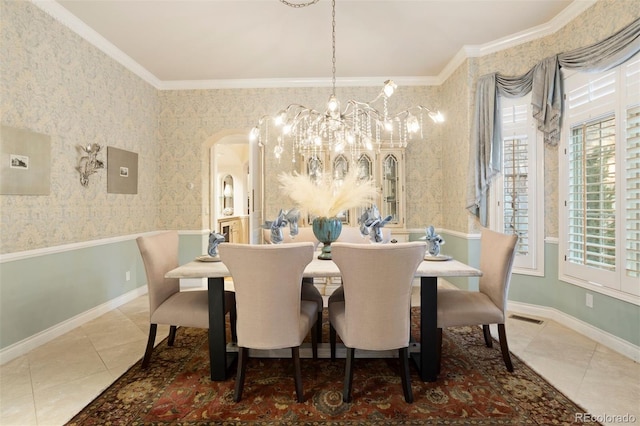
(515, 172)
(591, 190)
(632, 176)
(592, 195)
(633, 193)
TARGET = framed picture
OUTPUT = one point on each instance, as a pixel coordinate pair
(122, 171)
(25, 162)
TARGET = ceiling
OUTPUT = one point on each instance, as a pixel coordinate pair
(183, 42)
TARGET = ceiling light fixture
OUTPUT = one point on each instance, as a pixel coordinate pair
(360, 126)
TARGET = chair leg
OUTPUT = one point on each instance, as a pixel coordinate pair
(405, 375)
(153, 328)
(439, 353)
(172, 335)
(332, 340)
(314, 342)
(297, 372)
(487, 335)
(233, 316)
(319, 326)
(504, 347)
(243, 357)
(348, 375)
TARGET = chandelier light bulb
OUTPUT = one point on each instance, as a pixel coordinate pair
(388, 125)
(412, 124)
(351, 139)
(253, 135)
(333, 103)
(280, 118)
(437, 117)
(389, 88)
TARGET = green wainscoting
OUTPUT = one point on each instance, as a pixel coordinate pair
(42, 291)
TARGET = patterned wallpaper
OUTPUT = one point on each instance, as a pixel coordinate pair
(189, 118)
(54, 82)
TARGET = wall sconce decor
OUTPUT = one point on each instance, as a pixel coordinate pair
(89, 163)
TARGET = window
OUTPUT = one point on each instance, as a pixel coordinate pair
(600, 177)
(517, 193)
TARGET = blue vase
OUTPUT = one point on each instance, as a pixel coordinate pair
(326, 230)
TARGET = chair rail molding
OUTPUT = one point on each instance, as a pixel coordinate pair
(45, 251)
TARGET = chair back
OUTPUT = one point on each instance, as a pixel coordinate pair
(160, 255)
(267, 280)
(377, 281)
(497, 252)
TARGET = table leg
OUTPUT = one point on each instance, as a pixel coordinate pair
(219, 359)
(427, 359)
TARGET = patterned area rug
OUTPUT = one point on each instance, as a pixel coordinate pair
(474, 387)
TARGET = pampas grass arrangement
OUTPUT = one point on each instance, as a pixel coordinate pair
(328, 197)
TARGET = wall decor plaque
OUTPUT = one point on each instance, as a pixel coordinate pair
(25, 162)
(122, 171)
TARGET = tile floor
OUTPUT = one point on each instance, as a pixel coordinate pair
(50, 384)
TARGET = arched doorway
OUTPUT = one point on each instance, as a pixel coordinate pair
(235, 183)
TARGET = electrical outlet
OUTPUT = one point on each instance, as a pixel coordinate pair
(127, 275)
(589, 300)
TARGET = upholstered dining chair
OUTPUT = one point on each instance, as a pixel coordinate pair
(271, 315)
(309, 290)
(376, 311)
(351, 234)
(488, 305)
(167, 304)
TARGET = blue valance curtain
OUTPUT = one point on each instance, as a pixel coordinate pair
(545, 82)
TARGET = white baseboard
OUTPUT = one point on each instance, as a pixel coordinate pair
(22, 347)
(609, 340)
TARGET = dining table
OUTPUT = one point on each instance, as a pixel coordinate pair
(425, 359)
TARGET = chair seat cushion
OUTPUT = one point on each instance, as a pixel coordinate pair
(308, 317)
(338, 319)
(311, 293)
(461, 307)
(185, 308)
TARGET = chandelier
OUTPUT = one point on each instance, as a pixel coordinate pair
(359, 126)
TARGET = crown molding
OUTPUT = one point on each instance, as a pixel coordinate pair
(563, 18)
(55, 10)
(293, 82)
(570, 13)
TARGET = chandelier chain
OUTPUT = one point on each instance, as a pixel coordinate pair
(333, 45)
(298, 5)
